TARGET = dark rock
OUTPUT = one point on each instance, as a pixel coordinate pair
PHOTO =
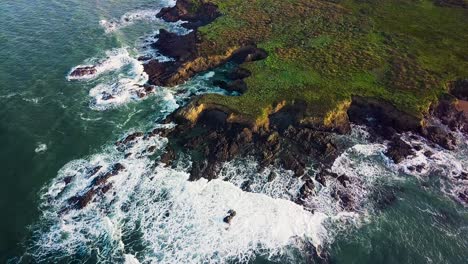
(180, 47)
(80, 201)
(343, 179)
(68, 179)
(203, 169)
(439, 136)
(463, 196)
(106, 188)
(307, 190)
(320, 177)
(452, 113)
(213, 118)
(420, 167)
(144, 58)
(293, 163)
(151, 149)
(107, 96)
(160, 73)
(83, 71)
(94, 170)
(398, 150)
(381, 114)
(428, 153)
(238, 86)
(230, 215)
(130, 138)
(169, 156)
(197, 13)
(101, 179)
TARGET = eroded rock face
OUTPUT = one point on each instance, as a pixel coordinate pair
(213, 139)
(180, 47)
(381, 115)
(459, 89)
(452, 113)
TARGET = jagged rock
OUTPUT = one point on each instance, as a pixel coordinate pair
(452, 113)
(169, 156)
(115, 169)
(94, 170)
(398, 150)
(381, 114)
(439, 136)
(203, 169)
(107, 96)
(197, 13)
(307, 190)
(180, 47)
(83, 71)
(130, 138)
(68, 179)
(98, 185)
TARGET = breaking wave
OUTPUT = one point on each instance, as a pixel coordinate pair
(429, 161)
(131, 17)
(154, 214)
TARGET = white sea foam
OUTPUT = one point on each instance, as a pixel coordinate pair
(431, 159)
(131, 17)
(128, 19)
(121, 79)
(114, 60)
(41, 147)
(179, 221)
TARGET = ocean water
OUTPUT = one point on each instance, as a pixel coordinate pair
(57, 129)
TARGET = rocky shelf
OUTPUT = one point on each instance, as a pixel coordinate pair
(308, 69)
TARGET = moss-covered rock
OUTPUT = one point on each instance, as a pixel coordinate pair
(323, 53)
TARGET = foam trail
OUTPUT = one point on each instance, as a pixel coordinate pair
(114, 60)
(131, 17)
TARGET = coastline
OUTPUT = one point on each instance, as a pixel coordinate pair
(287, 135)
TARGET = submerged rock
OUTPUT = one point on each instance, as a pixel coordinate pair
(230, 215)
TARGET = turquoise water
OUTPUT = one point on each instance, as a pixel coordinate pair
(40, 43)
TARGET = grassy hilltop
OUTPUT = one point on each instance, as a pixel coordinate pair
(323, 52)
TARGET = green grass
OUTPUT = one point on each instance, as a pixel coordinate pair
(323, 53)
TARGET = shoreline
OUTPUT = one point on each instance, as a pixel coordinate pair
(287, 136)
